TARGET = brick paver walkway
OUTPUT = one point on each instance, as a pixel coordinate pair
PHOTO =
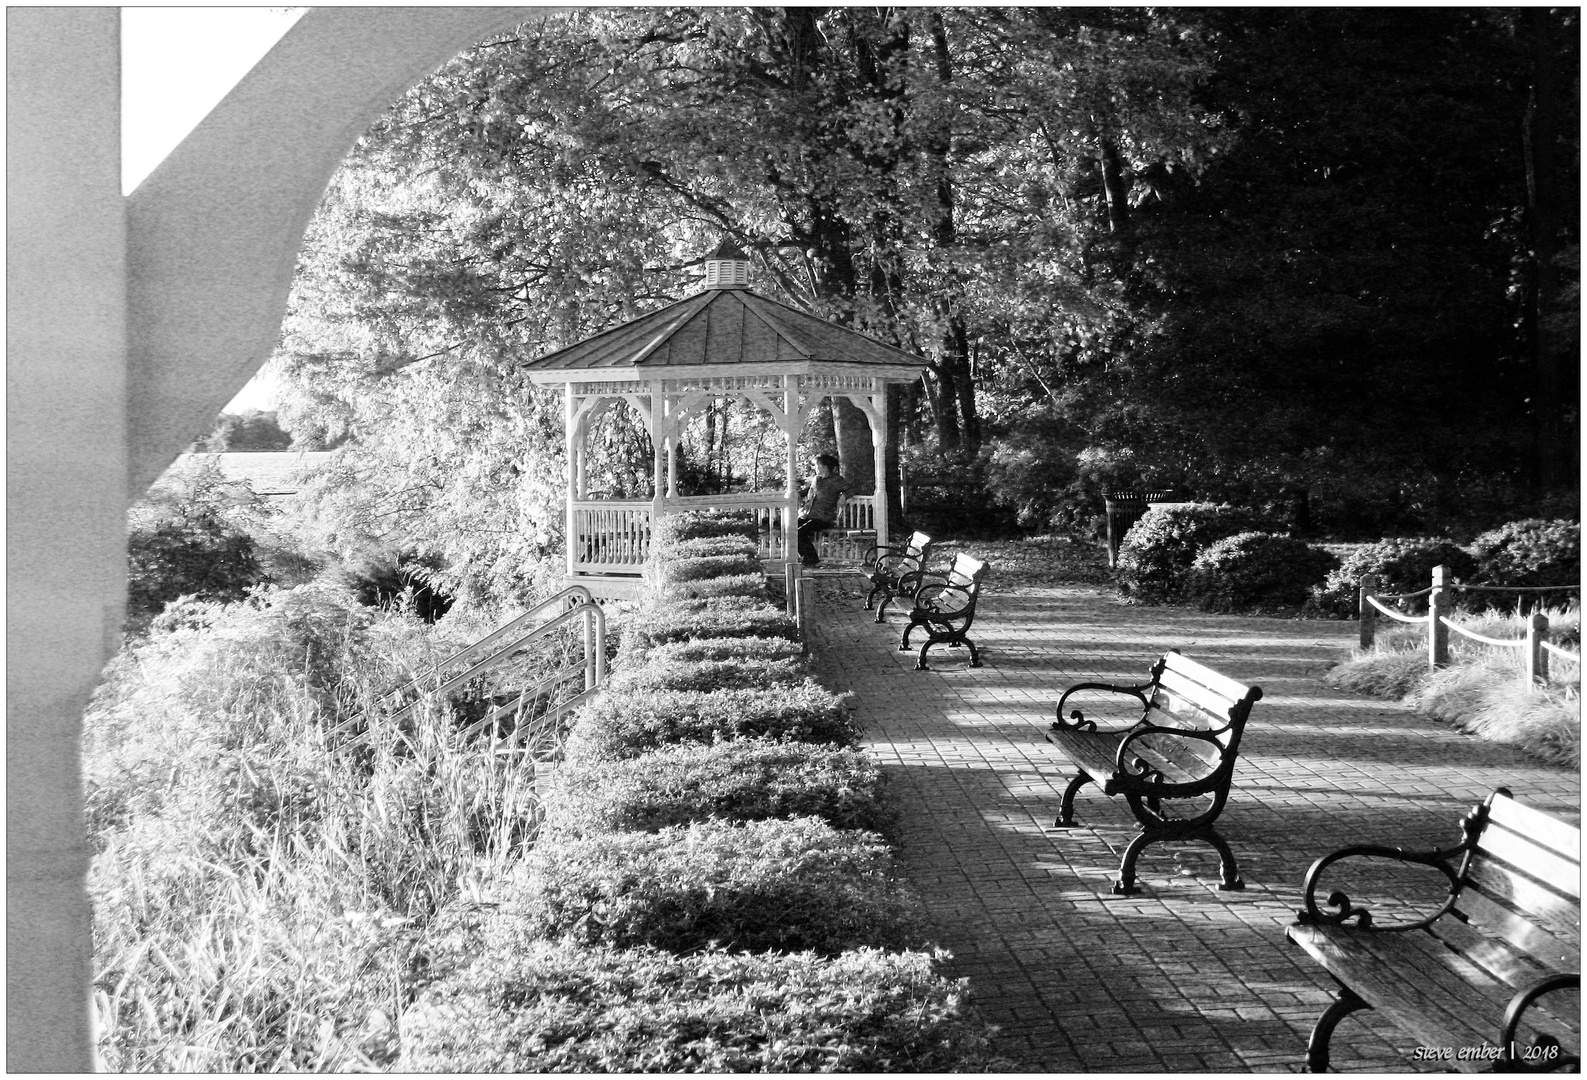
(1181, 977)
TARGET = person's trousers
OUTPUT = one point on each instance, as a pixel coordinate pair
(808, 528)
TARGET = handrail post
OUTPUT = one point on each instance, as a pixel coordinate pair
(1437, 632)
(1369, 614)
(589, 650)
(1536, 655)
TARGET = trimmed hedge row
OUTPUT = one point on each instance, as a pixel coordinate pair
(760, 885)
(544, 1007)
(624, 726)
(708, 800)
(733, 673)
(744, 780)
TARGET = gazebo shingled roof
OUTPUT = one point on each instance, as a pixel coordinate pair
(727, 326)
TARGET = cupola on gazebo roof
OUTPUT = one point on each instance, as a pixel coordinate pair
(725, 341)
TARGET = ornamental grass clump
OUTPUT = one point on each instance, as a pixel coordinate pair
(726, 674)
(253, 892)
(743, 780)
(771, 885)
(624, 726)
(547, 1007)
(1482, 691)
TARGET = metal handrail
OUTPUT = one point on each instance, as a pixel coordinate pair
(594, 666)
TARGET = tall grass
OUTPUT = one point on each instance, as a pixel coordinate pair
(256, 894)
(1483, 690)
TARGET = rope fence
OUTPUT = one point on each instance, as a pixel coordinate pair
(1535, 647)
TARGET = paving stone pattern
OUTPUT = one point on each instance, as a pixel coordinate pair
(1181, 977)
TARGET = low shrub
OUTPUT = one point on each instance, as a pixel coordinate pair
(699, 650)
(1157, 553)
(743, 780)
(618, 726)
(674, 529)
(710, 545)
(541, 1007)
(701, 567)
(1256, 571)
(728, 674)
(1530, 553)
(1401, 566)
(751, 585)
(659, 623)
(762, 886)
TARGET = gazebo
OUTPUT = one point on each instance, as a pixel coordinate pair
(724, 341)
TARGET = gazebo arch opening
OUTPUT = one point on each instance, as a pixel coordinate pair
(723, 343)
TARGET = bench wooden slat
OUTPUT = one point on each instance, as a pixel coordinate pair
(1561, 874)
(1522, 931)
(1544, 829)
(1498, 958)
(1560, 916)
(1216, 682)
(1184, 760)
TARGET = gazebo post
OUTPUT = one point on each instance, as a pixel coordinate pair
(878, 419)
(658, 441)
(570, 434)
(791, 489)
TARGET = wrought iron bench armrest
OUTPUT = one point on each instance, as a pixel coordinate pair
(1080, 723)
(1439, 858)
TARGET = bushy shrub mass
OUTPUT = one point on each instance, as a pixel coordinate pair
(624, 726)
(1256, 571)
(711, 545)
(673, 529)
(1532, 553)
(743, 780)
(709, 649)
(727, 674)
(1401, 566)
(697, 567)
(555, 1008)
(666, 621)
(763, 885)
(751, 585)
(1158, 551)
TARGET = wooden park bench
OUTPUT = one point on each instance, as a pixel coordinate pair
(1489, 980)
(896, 570)
(1181, 752)
(944, 606)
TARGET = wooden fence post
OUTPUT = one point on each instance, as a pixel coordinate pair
(1536, 655)
(1437, 632)
(1369, 614)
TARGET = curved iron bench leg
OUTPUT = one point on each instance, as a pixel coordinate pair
(1317, 1056)
(1066, 808)
(1232, 882)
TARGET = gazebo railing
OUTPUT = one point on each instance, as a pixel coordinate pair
(610, 536)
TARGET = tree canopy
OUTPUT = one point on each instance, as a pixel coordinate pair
(1322, 258)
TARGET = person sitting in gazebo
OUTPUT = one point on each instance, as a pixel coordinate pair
(820, 511)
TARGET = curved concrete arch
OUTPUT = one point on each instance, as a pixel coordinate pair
(130, 323)
(213, 233)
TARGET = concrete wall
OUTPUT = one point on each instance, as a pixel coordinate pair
(130, 323)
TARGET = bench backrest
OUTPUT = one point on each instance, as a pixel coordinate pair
(919, 544)
(1521, 882)
(966, 573)
(1190, 695)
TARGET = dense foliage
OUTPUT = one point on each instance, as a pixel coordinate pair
(1530, 553)
(1316, 260)
(1159, 550)
(1401, 566)
(1256, 571)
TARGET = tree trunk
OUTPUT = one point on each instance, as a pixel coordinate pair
(856, 459)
